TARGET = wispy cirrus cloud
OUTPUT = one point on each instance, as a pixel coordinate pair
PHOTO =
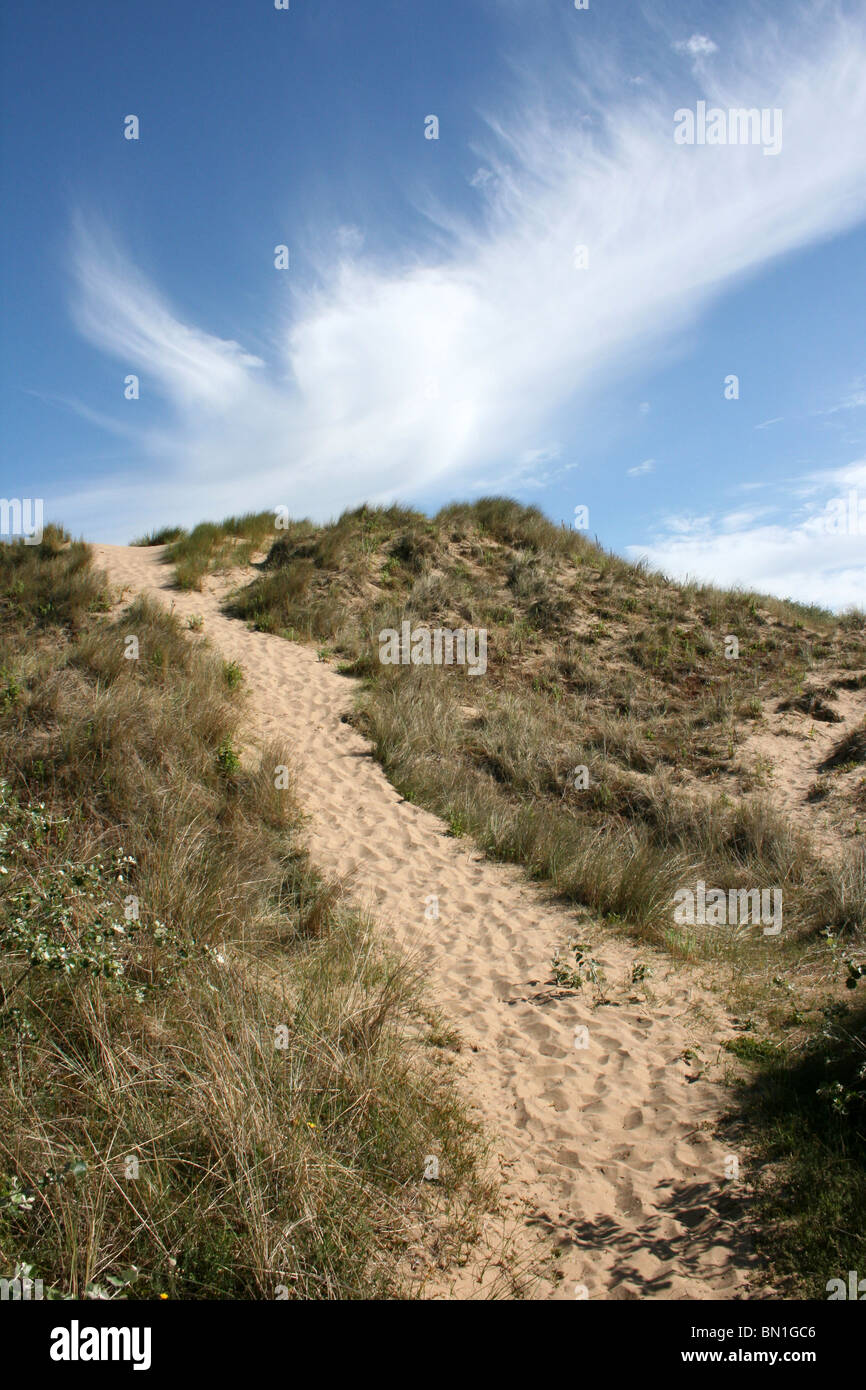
(390, 379)
(116, 309)
(855, 400)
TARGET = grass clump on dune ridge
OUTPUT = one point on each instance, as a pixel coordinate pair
(164, 536)
(216, 545)
(215, 1079)
(52, 584)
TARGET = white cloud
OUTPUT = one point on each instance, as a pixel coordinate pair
(393, 380)
(739, 521)
(818, 555)
(698, 46)
(529, 472)
(545, 454)
(119, 311)
(646, 467)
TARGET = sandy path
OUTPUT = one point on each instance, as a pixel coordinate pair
(790, 748)
(606, 1150)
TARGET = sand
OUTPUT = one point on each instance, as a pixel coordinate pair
(606, 1152)
(787, 751)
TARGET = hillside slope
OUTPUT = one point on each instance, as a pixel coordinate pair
(630, 739)
(605, 1150)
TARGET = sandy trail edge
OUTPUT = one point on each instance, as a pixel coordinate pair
(606, 1152)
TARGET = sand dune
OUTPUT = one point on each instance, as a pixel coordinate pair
(606, 1152)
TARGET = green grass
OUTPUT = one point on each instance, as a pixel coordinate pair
(217, 545)
(806, 1117)
(164, 536)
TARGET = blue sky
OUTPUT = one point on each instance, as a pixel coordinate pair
(434, 337)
